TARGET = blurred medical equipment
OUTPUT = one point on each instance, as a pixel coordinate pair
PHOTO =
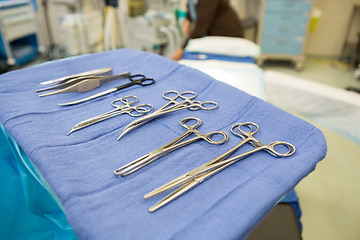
(74, 26)
(155, 31)
(111, 39)
(135, 7)
(357, 73)
(194, 177)
(173, 145)
(249, 14)
(137, 79)
(172, 106)
(350, 52)
(18, 32)
(283, 31)
(123, 107)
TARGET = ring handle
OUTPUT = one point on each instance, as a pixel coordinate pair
(271, 149)
(144, 107)
(188, 95)
(187, 119)
(197, 105)
(253, 128)
(140, 110)
(125, 100)
(137, 77)
(167, 95)
(211, 134)
(146, 81)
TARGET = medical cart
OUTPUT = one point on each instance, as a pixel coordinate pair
(18, 32)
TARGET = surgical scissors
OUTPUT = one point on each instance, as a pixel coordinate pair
(194, 177)
(82, 83)
(124, 107)
(173, 145)
(172, 106)
(139, 79)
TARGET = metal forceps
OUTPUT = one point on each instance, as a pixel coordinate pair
(173, 145)
(137, 79)
(124, 107)
(172, 106)
(194, 177)
(83, 83)
(101, 71)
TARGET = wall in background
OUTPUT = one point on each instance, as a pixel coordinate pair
(329, 35)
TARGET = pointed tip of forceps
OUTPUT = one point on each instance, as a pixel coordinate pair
(121, 173)
(64, 104)
(163, 202)
(149, 195)
(125, 130)
(154, 208)
(117, 173)
(154, 192)
(134, 124)
(121, 135)
(50, 93)
(72, 130)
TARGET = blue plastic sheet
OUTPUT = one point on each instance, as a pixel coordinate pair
(28, 208)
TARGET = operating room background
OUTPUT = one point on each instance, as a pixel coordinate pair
(328, 197)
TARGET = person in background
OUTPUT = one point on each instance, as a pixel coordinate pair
(209, 18)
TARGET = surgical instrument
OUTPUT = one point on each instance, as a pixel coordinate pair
(125, 107)
(173, 145)
(134, 79)
(194, 177)
(82, 84)
(96, 72)
(172, 106)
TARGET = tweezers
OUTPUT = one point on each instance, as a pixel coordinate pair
(96, 72)
(83, 83)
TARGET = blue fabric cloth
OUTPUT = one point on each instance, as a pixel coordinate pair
(208, 56)
(79, 167)
(26, 197)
